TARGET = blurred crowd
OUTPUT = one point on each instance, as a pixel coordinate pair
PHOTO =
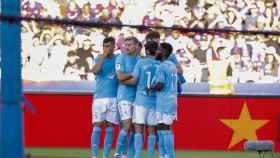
(219, 14)
(56, 52)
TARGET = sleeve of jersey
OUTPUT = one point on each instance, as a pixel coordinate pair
(159, 77)
(119, 66)
(136, 71)
(173, 59)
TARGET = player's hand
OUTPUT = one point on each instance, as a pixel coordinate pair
(148, 91)
(106, 51)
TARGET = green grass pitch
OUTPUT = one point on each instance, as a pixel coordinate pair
(85, 153)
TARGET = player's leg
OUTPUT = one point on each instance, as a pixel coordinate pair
(125, 111)
(98, 117)
(151, 122)
(124, 147)
(161, 149)
(167, 137)
(131, 140)
(138, 140)
(169, 143)
(139, 118)
(112, 119)
(108, 141)
(96, 131)
(151, 141)
(122, 138)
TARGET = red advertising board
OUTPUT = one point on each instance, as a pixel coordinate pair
(204, 123)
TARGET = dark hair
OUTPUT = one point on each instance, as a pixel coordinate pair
(151, 47)
(152, 35)
(109, 39)
(168, 49)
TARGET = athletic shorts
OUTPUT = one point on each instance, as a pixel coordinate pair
(163, 118)
(125, 110)
(105, 109)
(144, 116)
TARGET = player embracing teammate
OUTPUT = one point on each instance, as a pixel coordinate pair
(146, 98)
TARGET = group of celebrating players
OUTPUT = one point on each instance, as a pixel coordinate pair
(140, 93)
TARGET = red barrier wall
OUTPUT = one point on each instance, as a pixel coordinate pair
(204, 123)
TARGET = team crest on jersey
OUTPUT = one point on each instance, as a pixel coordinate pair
(118, 66)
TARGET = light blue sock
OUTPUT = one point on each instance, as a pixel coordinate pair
(131, 148)
(169, 144)
(138, 144)
(95, 140)
(124, 147)
(161, 150)
(121, 141)
(108, 141)
(151, 146)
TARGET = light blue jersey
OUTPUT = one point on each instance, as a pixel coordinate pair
(181, 78)
(106, 79)
(166, 101)
(173, 59)
(144, 72)
(125, 64)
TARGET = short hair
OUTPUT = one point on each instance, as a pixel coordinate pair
(109, 39)
(151, 47)
(152, 35)
(132, 38)
(168, 48)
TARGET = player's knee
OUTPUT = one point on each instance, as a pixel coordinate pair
(138, 128)
(151, 130)
(127, 125)
(109, 124)
(132, 127)
(163, 127)
(97, 124)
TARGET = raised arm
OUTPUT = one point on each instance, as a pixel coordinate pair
(179, 69)
(174, 59)
(97, 67)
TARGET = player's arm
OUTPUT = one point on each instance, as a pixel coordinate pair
(122, 77)
(98, 64)
(130, 81)
(157, 87)
(179, 69)
(134, 75)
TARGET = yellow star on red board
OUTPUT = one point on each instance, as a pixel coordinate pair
(244, 127)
